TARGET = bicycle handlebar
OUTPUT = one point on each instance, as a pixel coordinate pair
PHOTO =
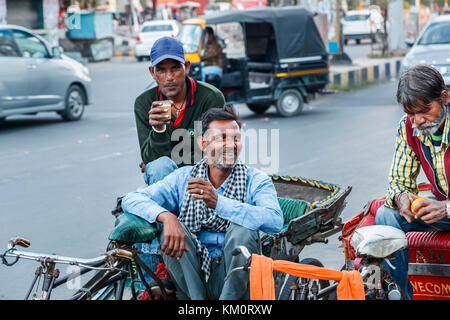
(43, 257)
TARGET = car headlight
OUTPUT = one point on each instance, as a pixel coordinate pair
(85, 70)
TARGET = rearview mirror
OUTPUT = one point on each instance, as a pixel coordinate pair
(57, 52)
(409, 42)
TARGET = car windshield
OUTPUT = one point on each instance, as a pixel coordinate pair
(157, 28)
(357, 17)
(189, 36)
(437, 33)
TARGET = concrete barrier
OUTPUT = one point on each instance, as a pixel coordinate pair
(371, 71)
(124, 53)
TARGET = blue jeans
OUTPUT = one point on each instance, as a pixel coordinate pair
(390, 217)
(154, 171)
(211, 70)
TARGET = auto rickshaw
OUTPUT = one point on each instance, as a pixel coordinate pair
(285, 60)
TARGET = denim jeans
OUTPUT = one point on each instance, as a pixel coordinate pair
(154, 171)
(391, 217)
(189, 278)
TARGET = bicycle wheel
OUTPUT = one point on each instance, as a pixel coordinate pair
(295, 288)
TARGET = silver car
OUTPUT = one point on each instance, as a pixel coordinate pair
(35, 77)
(432, 47)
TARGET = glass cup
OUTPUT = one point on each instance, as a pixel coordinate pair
(167, 104)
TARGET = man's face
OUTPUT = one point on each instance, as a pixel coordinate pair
(429, 120)
(222, 143)
(170, 74)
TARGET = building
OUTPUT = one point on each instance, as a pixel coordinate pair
(33, 14)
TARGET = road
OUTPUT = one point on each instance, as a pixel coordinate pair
(59, 181)
(359, 51)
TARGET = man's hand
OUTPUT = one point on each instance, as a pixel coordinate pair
(431, 211)
(202, 189)
(142, 166)
(174, 237)
(403, 201)
(156, 116)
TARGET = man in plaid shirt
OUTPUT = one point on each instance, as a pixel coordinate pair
(422, 142)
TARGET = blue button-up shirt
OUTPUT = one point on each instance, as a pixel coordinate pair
(260, 211)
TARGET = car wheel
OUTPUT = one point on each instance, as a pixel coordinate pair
(290, 103)
(358, 41)
(258, 108)
(140, 59)
(75, 101)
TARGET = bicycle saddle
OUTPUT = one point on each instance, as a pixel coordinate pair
(130, 229)
(378, 241)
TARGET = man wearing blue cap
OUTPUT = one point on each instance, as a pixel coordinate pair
(158, 134)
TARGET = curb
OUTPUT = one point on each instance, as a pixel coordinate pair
(124, 53)
(367, 74)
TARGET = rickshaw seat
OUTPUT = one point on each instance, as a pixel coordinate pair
(291, 209)
(423, 246)
(130, 229)
(378, 241)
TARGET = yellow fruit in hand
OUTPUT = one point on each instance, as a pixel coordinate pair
(415, 202)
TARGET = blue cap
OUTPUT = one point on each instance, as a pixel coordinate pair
(166, 48)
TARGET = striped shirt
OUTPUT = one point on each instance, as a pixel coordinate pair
(405, 166)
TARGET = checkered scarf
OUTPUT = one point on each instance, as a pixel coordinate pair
(196, 216)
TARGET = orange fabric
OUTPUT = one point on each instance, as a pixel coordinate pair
(262, 285)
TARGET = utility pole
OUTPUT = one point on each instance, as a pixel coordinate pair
(395, 18)
(340, 57)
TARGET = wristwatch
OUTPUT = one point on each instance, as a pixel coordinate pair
(448, 210)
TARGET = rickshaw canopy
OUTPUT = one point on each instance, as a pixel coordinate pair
(295, 31)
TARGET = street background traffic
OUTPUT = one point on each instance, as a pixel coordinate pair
(59, 180)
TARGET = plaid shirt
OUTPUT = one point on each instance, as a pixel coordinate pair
(406, 165)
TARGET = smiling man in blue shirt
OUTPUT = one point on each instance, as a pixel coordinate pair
(209, 209)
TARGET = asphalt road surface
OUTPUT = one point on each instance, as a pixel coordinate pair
(59, 180)
(362, 50)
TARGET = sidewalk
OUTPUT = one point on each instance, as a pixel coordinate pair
(364, 71)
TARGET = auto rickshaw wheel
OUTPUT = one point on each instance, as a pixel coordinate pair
(258, 108)
(290, 103)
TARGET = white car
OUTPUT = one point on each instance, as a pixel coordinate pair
(361, 24)
(432, 47)
(152, 31)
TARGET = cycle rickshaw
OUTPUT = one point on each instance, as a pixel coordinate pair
(311, 212)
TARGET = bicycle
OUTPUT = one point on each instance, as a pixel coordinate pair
(114, 269)
(311, 211)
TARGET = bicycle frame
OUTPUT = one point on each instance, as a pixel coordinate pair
(113, 267)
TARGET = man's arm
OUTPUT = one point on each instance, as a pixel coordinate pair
(156, 203)
(263, 214)
(404, 170)
(153, 145)
(155, 199)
